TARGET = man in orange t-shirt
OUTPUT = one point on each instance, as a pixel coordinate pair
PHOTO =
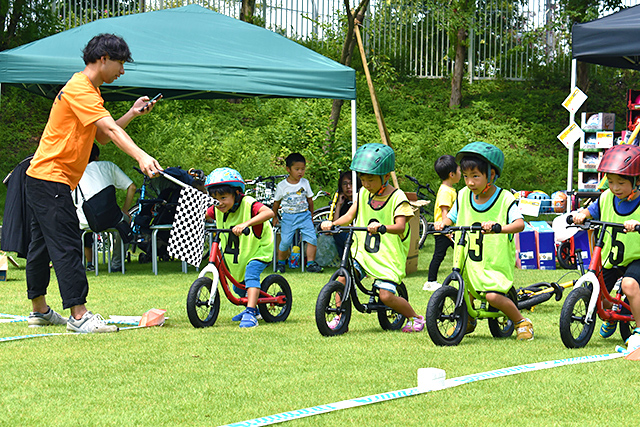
(77, 118)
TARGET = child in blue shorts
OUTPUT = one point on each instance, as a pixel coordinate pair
(245, 256)
(490, 263)
(294, 200)
(620, 203)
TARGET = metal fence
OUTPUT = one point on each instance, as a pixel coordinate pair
(507, 38)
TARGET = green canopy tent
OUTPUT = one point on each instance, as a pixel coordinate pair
(187, 52)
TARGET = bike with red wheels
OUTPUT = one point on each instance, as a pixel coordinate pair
(203, 300)
(578, 316)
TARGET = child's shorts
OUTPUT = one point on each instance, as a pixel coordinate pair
(291, 223)
(251, 276)
(378, 283)
(611, 275)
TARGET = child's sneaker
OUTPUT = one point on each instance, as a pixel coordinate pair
(313, 267)
(608, 328)
(90, 267)
(280, 267)
(334, 322)
(249, 318)
(90, 323)
(430, 286)
(36, 320)
(633, 342)
(238, 317)
(524, 329)
(415, 324)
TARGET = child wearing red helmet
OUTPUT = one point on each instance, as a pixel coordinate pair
(620, 204)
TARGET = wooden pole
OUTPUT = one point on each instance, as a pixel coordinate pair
(382, 127)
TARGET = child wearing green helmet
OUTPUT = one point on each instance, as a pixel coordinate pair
(246, 256)
(380, 203)
(491, 266)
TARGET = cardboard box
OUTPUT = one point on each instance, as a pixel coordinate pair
(526, 252)
(545, 245)
(589, 141)
(583, 239)
(588, 181)
(412, 256)
(598, 121)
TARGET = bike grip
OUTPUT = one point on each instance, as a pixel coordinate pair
(246, 231)
(430, 227)
(637, 228)
(382, 229)
(496, 228)
(570, 219)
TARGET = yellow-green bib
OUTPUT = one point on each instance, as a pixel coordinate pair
(623, 247)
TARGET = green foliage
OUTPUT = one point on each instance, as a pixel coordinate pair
(25, 21)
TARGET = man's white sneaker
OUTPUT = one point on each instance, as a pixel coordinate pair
(90, 323)
(36, 320)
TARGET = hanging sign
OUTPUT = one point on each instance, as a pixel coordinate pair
(575, 100)
(570, 135)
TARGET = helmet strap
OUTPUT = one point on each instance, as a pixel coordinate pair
(236, 203)
(384, 186)
(635, 189)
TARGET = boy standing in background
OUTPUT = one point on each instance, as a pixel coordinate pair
(293, 197)
(449, 172)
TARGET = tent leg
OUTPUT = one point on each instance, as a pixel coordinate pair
(354, 147)
(572, 116)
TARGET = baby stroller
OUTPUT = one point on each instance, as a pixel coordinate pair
(157, 205)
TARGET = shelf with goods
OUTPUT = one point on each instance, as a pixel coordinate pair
(599, 135)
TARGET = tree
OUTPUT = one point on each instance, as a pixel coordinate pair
(25, 21)
(247, 10)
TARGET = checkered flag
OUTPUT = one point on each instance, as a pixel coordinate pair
(186, 241)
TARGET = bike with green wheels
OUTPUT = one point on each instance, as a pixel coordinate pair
(451, 305)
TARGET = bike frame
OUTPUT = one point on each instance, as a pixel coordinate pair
(594, 276)
(465, 291)
(347, 270)
(220, 274)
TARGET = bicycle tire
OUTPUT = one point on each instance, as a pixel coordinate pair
(445, 324)
(273, 312)
(327, 309)
(534, 295)
(575, 328)
(564, 256)
(321, 214)
(199, 312)
(423, 231)
(391, 320)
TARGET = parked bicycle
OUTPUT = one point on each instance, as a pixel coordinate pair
(264, 188)
(334, 303)
(535, 294)
(203, 299)
(449, 308)
(578, 315)
(426, 200)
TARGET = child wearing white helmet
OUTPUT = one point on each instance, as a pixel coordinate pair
(490, 264)
(246, 257)
(380, 203)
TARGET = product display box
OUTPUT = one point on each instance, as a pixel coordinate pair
(545, 245)
(526, 251)
(589, 160)
(598, 121)
(583, 241)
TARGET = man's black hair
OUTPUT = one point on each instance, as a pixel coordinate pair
(106, 45)
(445, 165)
(294, 158)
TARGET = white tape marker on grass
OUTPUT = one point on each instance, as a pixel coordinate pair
(53, 334)
(454, 382)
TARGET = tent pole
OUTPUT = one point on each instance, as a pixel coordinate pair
(572, 116)
(354, 147)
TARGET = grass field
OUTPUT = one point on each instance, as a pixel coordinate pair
(178, 375)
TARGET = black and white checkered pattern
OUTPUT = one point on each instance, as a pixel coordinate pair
(186, 241)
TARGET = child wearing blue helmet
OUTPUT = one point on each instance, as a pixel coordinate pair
(380, 203)
(246, 257)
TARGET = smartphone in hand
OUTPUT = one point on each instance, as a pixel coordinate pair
(148, 104)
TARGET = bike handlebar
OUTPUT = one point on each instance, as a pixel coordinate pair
(495, 228)
(592, 223)
(336, 229)
(416, 182)
(246, 231)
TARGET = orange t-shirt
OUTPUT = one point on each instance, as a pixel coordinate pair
(65, 145)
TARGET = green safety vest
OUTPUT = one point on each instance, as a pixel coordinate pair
(383, 256)
(622, 248)
(239, 250)
(490, 258)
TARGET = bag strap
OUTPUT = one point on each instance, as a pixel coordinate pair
(81, 193)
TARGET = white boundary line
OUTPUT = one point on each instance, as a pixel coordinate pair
(454, 382)
(52, 334)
